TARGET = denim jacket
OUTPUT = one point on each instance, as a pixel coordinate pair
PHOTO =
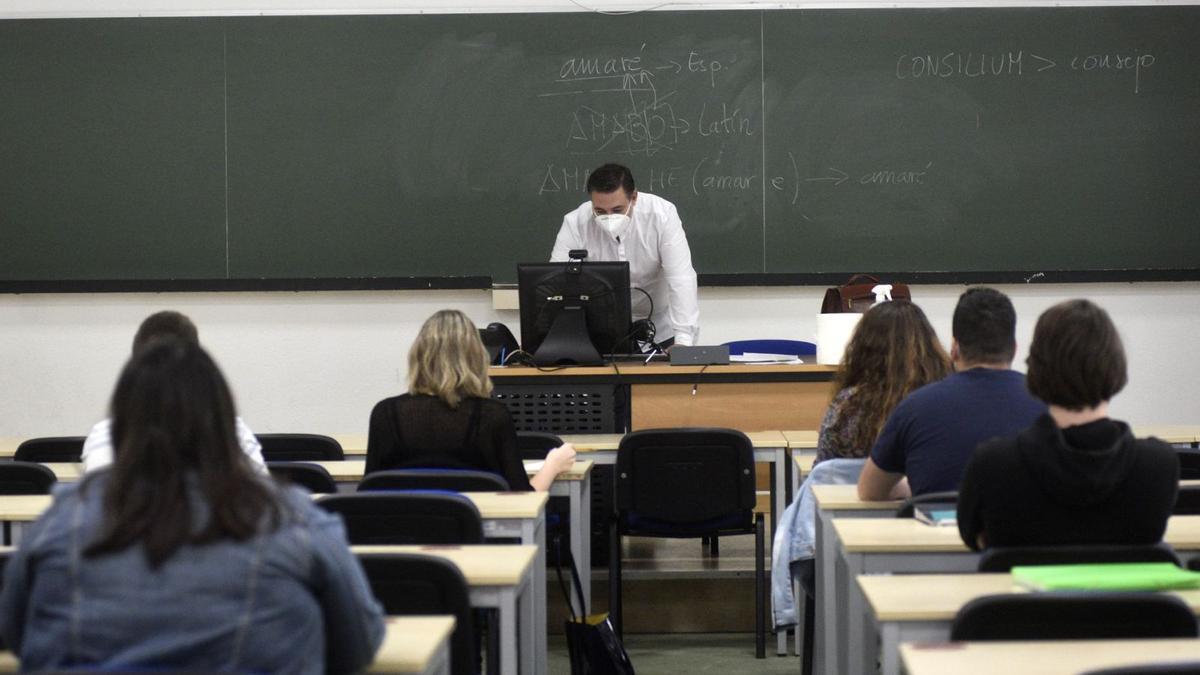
(292, 600)
(796, 536)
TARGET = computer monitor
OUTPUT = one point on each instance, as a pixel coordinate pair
(573, 313)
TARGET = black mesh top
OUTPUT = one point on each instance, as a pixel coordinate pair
(410, 431)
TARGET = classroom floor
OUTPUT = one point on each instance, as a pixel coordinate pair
(690, 653)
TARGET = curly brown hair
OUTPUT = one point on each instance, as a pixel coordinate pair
(892, 352)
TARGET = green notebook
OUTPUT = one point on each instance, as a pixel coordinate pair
(1105, 577)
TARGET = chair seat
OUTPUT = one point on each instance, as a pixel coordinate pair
(635, 524)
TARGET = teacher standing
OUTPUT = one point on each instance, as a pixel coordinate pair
(620, 224)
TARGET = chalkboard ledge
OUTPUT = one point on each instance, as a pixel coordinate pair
(485, 283)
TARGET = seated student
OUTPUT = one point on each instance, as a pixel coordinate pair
(893, 351)
(447, 418)
(1076, 476)
(180, 556)
(98, 446)
(930, 436)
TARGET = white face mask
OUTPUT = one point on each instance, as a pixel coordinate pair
(616, 224)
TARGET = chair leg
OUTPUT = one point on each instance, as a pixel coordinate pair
(614, 579)
(809, 646)
(760, 589)
(713, 548)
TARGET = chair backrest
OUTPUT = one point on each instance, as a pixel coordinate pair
(408, 584)
(300, 448)
(793, 347)
(25, 478)
(312, 477)
(397, 518)
(51, 449)
(1187, 501)
(1189, 464)
(906, 509)
(685, 475)
(535, 444)
(457, 480)
(1074, 616)
(1003, 559)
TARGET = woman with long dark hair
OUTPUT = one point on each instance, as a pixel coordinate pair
(892, 352)
(181, 556)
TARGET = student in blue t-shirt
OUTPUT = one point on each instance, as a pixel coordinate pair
(927, 440)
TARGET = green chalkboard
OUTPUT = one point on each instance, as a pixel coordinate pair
(797, 144)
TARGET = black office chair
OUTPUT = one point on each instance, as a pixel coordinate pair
(535, 444)
(1074, 616)
(24, 478)
(1189, 464)
(1187, 501)
(414, 584)
(398, 518)
(312, 477)
(1175, 668)
(907, 508)
(51, 449)
(1003, 559)
(457, 480)
(300, 448)
(686, 483)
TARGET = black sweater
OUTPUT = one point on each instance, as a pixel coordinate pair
(422, 431)
(1090, 484)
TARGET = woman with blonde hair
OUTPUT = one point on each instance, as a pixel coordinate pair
(448, 418)
(893, 352)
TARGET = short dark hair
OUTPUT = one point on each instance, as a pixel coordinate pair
(985, 326)
(165, 324)
(174, 439)
(610, 177)
(1076, 359)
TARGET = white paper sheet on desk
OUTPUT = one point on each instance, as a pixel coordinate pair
(750, 357)
(535, 465)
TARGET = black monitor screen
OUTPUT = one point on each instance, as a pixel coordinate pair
(574, 312)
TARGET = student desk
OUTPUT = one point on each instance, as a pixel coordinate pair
(412, 645)
(575, 484)
(498, 577)
(904, 545)
(840, 501)
(921, 607)
(505, 514)
(1041, 658)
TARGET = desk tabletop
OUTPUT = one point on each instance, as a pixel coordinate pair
(480, 564)
(1040, 658)
(801, 439)
(491, 505)
(635, 369)
(845, 498)
(908, 535)
(585, 443)
(351, 470)
(938, 597)
(409, 643)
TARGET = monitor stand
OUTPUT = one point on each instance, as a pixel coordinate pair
(567, 342)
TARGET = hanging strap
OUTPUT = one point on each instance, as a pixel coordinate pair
(562, 584)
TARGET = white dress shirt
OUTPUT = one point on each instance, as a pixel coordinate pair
(98, 447)
(660, 262)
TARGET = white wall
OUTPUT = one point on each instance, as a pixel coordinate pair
(318, 361)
